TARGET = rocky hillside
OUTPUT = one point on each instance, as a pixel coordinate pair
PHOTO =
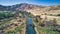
(35, 9)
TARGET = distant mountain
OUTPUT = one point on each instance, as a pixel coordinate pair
(21, 6)
(24, 6)
(36, 9)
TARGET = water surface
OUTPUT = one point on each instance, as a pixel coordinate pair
(30, 29)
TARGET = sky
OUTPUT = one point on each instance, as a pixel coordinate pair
(36, 2)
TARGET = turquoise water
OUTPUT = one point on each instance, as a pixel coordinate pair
(30, 29)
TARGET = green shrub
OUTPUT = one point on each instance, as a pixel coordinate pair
(58, 15)
(6, 15)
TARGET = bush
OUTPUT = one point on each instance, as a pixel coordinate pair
(58, 15)
(6, 15)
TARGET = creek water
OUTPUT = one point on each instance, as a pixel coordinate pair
(29, 28)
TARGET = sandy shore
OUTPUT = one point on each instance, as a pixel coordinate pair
(35, 28)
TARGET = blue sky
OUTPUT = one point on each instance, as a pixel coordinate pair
(36, 2)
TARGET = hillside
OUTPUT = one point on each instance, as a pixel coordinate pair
(34, 9)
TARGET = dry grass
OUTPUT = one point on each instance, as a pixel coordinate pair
(52, 17)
